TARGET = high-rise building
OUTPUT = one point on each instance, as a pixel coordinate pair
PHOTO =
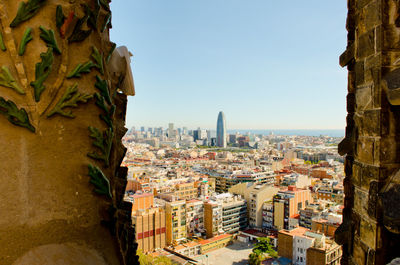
(171, 130)
(221, 130)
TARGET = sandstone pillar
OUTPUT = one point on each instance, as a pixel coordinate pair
(370, 231)
(62, 115)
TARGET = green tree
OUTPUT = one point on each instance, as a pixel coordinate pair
(255, 258)
(149, 260)
(264, 246)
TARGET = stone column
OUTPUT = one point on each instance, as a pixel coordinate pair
(370, 229)
(62, 116)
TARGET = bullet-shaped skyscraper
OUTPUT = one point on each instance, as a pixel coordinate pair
(221, 130)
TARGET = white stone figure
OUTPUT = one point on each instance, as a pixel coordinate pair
(120, 64)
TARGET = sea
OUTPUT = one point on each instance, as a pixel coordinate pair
(303, 132)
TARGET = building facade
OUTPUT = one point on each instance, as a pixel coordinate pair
(175, 213)
(234, 213)
(213, 218)
(150, 229)
(195, 217)
(221, 130)
(288, 203)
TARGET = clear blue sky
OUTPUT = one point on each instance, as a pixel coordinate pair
(268, 64)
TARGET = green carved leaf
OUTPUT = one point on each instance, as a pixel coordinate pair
(100, 181)
(111, 52)
(92, 14)
(80, 69)
(102, 141)
(60, 18)
(108, 112)
(26, 11)
(78, 33)
(50, 39)
(2, 45)
(42, 71)
(102, 86)
(70, 99)
(98, 58)
(27, 37)
(7, 80)
(106, 22)
(14, 115)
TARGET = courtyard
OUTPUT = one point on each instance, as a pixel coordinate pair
(236, 254)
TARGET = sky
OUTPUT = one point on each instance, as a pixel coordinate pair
(266, 64)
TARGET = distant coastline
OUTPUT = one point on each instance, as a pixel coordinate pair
(303, 132)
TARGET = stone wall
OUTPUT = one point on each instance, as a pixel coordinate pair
(370, 229)
(62, 116)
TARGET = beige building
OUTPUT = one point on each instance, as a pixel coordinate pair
(288, 203)
(175, 213)
(150, 229)
(185, 191)
(213, 218)
(194, 217)
(304, 247)
(234, 212)
(255, 195)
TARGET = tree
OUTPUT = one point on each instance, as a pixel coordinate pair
(264, 246)
(255, 258)
(149, 260)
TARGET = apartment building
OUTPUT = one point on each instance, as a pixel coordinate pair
(288, 203)
(304, 247)
(309, 213)
(334, 194)
(150, 229)
(195, 217)
(141, 200)
(234, 212)
(255, 195)
(175, 214)
(268, 215)
(185, 191)
(327, 225)
(224, 183)
(213, 218)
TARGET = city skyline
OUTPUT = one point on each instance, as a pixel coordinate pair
(263, 77)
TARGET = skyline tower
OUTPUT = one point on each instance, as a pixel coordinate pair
(221, 130)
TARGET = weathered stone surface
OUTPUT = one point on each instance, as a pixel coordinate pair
(369, 123)
(347, 56)
(389, 199)
(359, 73)
(366, 44)
(361, 201)
(368, 233)
(359, 254)
(364, 99)
(366, 150)
(369, 17)
(59, 254)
